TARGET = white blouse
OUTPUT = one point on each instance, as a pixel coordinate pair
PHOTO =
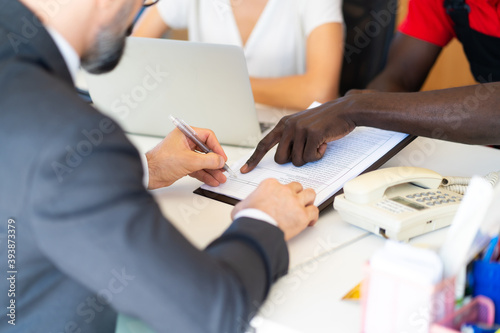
(277, 44)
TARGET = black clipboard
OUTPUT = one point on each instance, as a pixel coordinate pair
(396, 149)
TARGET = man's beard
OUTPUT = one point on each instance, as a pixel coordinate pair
(107, 50)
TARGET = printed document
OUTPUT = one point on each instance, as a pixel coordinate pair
(344, 159)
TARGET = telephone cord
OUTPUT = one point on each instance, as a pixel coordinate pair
(459, 184)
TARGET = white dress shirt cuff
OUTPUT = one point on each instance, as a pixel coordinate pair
(257, 215)
(145, 179)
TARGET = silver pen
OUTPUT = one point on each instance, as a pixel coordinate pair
(191, 134)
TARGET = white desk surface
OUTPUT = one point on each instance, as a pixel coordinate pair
(327, 260)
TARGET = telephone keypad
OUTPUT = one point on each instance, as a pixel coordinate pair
(432, 199)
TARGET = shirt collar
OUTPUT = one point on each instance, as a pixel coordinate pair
(68, 52)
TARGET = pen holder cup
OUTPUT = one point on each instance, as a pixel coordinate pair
(393, 304)
(479, 311)
(486, 282)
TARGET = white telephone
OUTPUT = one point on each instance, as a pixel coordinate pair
(398, 203)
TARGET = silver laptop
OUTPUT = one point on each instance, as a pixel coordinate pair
(206, 85)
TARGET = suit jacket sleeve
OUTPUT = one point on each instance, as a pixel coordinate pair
(95, 221)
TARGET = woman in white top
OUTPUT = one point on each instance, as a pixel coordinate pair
(293, 47)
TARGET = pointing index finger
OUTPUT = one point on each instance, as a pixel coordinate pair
(268, 142)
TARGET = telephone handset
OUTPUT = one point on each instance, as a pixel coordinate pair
(398, 203)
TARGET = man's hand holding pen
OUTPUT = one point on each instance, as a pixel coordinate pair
(175, 157)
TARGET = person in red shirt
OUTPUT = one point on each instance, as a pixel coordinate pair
(391, 101)
(431, 25)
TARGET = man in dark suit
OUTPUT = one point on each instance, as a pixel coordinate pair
(81, 237)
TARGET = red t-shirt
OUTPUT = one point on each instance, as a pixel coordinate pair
(427, 20)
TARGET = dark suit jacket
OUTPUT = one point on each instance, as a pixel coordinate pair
(89, 239)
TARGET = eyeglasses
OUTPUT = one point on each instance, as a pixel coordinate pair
(148, 3)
